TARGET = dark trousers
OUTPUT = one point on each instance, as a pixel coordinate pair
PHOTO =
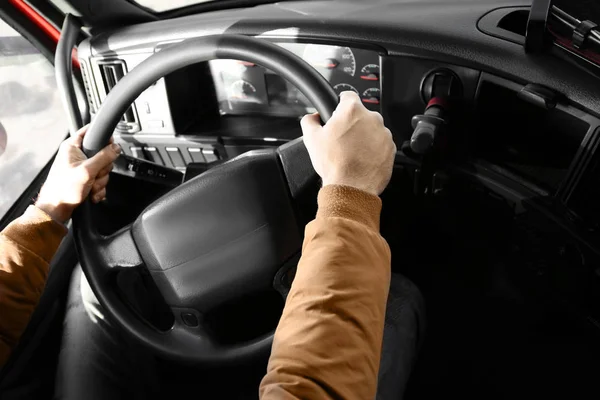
(98, 362)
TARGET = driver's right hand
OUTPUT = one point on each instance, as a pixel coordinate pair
(354, 148)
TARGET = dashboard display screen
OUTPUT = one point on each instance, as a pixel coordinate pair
(245, 88)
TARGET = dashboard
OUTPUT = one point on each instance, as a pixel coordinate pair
(383, 51)
(244, 88)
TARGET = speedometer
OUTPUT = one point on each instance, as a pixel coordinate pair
(330, 58)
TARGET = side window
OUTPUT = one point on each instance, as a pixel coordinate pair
(32, 121)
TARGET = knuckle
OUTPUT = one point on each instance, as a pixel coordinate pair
(355, 100)
(85, 174)
(349, 97)
(354, 107)
(376, 117)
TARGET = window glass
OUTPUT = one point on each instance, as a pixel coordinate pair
(32, 121)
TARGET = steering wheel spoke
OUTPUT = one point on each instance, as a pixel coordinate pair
(119, 250)
(110, 253)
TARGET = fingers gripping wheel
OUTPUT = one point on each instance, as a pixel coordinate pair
(217, 237)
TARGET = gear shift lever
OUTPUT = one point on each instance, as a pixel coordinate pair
(427, 126)
(438, 90)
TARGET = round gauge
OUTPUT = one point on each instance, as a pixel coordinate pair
(330, 58)
(371, 96)
(370, 72)
(344, 87)
(242, 91)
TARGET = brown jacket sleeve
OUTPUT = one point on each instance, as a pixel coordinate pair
(328, 342)
(26, 247)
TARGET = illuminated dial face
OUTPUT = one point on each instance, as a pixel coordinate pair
(370, 72)
(331, 58)
(344, 87)
(371, 96)
(242, 91)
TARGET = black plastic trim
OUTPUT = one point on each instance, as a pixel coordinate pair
(489, 24)
(63, 69)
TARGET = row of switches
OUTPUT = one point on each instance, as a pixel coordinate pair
(203, 155)
(197, 154)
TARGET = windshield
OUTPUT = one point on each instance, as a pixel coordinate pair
(162, 5)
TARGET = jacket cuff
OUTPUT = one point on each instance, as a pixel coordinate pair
(350, 203)
(36, 231)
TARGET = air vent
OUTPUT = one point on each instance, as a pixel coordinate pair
(112, 72)
(87, 86)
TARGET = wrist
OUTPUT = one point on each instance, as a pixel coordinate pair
(368, 188)
(350, 203)
(59, 212)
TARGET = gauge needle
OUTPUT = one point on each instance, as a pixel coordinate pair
(369, 77)
(330, 65)
(371, 101)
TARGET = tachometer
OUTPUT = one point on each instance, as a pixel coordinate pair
(344, 87)
(329, 58)
(242, 91)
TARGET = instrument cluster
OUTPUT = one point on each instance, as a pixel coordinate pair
(245, 88)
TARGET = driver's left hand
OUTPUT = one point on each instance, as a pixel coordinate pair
(73, 177)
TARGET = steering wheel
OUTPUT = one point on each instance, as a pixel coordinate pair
(219, 236)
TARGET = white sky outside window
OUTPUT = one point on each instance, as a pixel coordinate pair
(165, 5)
(32, 120)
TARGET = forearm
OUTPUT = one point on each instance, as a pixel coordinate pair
(328, 341)
(26, 247)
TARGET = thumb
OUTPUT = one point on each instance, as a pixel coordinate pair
(310, 123)
(103, 158)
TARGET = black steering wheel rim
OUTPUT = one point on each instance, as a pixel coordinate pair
(100, 256)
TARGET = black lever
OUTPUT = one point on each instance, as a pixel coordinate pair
(424, 144)
(428, 126)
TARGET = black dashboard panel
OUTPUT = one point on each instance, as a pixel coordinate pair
(239, 107)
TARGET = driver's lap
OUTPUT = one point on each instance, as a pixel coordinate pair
(97, 361)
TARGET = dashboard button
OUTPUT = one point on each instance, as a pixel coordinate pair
(137, 152)
(153, 155)
(176, 158)
(196, 154)
(210, 155)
